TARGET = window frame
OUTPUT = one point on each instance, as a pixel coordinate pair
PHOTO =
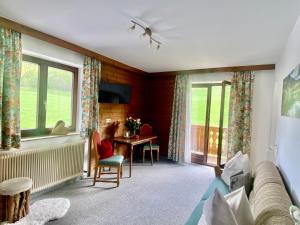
(42, 89)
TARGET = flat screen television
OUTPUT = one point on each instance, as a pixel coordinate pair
(114, 93)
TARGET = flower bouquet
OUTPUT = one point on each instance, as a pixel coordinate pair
(133, 125)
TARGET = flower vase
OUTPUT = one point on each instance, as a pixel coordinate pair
(134, 135)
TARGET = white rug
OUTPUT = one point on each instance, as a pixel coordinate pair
(45, 210)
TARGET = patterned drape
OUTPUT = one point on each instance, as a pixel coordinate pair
(89, 96)
(239, 133)
(176, 146)
(10, 73)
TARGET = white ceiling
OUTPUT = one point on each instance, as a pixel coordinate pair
(195, 33)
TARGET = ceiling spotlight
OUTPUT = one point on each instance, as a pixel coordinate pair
(132, 28)
(147, 32)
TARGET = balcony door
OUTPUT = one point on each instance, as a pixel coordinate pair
(209, 123)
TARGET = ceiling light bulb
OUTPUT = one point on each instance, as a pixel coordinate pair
(151, 43)
(132, 28)
(143, 35)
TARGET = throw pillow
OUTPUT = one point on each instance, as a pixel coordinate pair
(239, 204)
(216, 211)
(240, 180)
(236, 164)
(105, 149)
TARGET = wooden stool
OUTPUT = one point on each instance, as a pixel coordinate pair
(14, 196)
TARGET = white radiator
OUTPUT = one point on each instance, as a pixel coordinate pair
(46, 166)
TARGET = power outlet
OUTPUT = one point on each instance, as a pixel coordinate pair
(108, 120)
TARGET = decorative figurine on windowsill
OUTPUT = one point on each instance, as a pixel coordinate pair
(295, 214)
(59, 128)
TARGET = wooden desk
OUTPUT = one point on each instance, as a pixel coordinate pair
(133, 142)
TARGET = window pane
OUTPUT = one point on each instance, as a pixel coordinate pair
(28, 95)
(199, 101)
(214, 124)
(59, 97)
(198, 119)
(225, 124)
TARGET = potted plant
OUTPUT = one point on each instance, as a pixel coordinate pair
(133, 125)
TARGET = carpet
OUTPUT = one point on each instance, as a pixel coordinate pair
(162, 194)
(43, 211)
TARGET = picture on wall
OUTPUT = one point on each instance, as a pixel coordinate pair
(291, 94)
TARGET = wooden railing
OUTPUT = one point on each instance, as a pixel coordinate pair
(197, 139)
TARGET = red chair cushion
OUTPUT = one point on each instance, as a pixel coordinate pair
(105, 149)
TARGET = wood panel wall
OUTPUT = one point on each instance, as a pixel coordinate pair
(151, 100)
(160, 98)
(119, 112)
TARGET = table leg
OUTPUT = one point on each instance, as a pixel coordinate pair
(131, 158)
(151, 153)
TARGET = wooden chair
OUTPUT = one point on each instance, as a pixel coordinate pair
(115, 161)
(146, 130)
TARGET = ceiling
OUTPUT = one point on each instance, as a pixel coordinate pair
(195, 33)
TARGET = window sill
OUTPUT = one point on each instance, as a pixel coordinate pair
(48, 137)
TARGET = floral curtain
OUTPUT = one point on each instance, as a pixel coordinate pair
(10, 73)
(176, 147)
(239, 133)
(89, 95)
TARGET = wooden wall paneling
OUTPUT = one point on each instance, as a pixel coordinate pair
(160, 92)
(119, 112)
(216, 70)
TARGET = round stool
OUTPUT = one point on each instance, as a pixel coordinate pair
(15, 198)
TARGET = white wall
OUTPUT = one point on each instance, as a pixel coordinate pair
(45, 50)
(286, 130)
(262, 107)
(261, 116)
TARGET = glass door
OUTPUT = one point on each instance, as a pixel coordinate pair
(224, 121)
(209, 122)
(198, 123)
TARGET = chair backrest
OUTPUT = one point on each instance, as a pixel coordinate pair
(145, 130)
(96, 141)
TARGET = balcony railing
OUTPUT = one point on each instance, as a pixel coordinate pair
(197, 140)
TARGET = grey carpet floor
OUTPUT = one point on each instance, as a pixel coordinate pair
(163, 194)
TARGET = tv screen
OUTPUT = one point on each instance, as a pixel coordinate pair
(114, 93)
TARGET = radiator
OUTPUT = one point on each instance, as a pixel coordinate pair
(46, 166)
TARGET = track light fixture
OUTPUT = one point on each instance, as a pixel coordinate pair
(147, 33)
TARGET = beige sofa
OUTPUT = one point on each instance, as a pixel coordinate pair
(269, 199)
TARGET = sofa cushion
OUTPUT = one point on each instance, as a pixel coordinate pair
(280, 220)
(239, 162)
(217, 211)
(271, 201)
(196, 214)
(266, 172)
(263, 165)
(239, 204)
(219, 184)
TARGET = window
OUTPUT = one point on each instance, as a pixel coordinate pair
(48, 93)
